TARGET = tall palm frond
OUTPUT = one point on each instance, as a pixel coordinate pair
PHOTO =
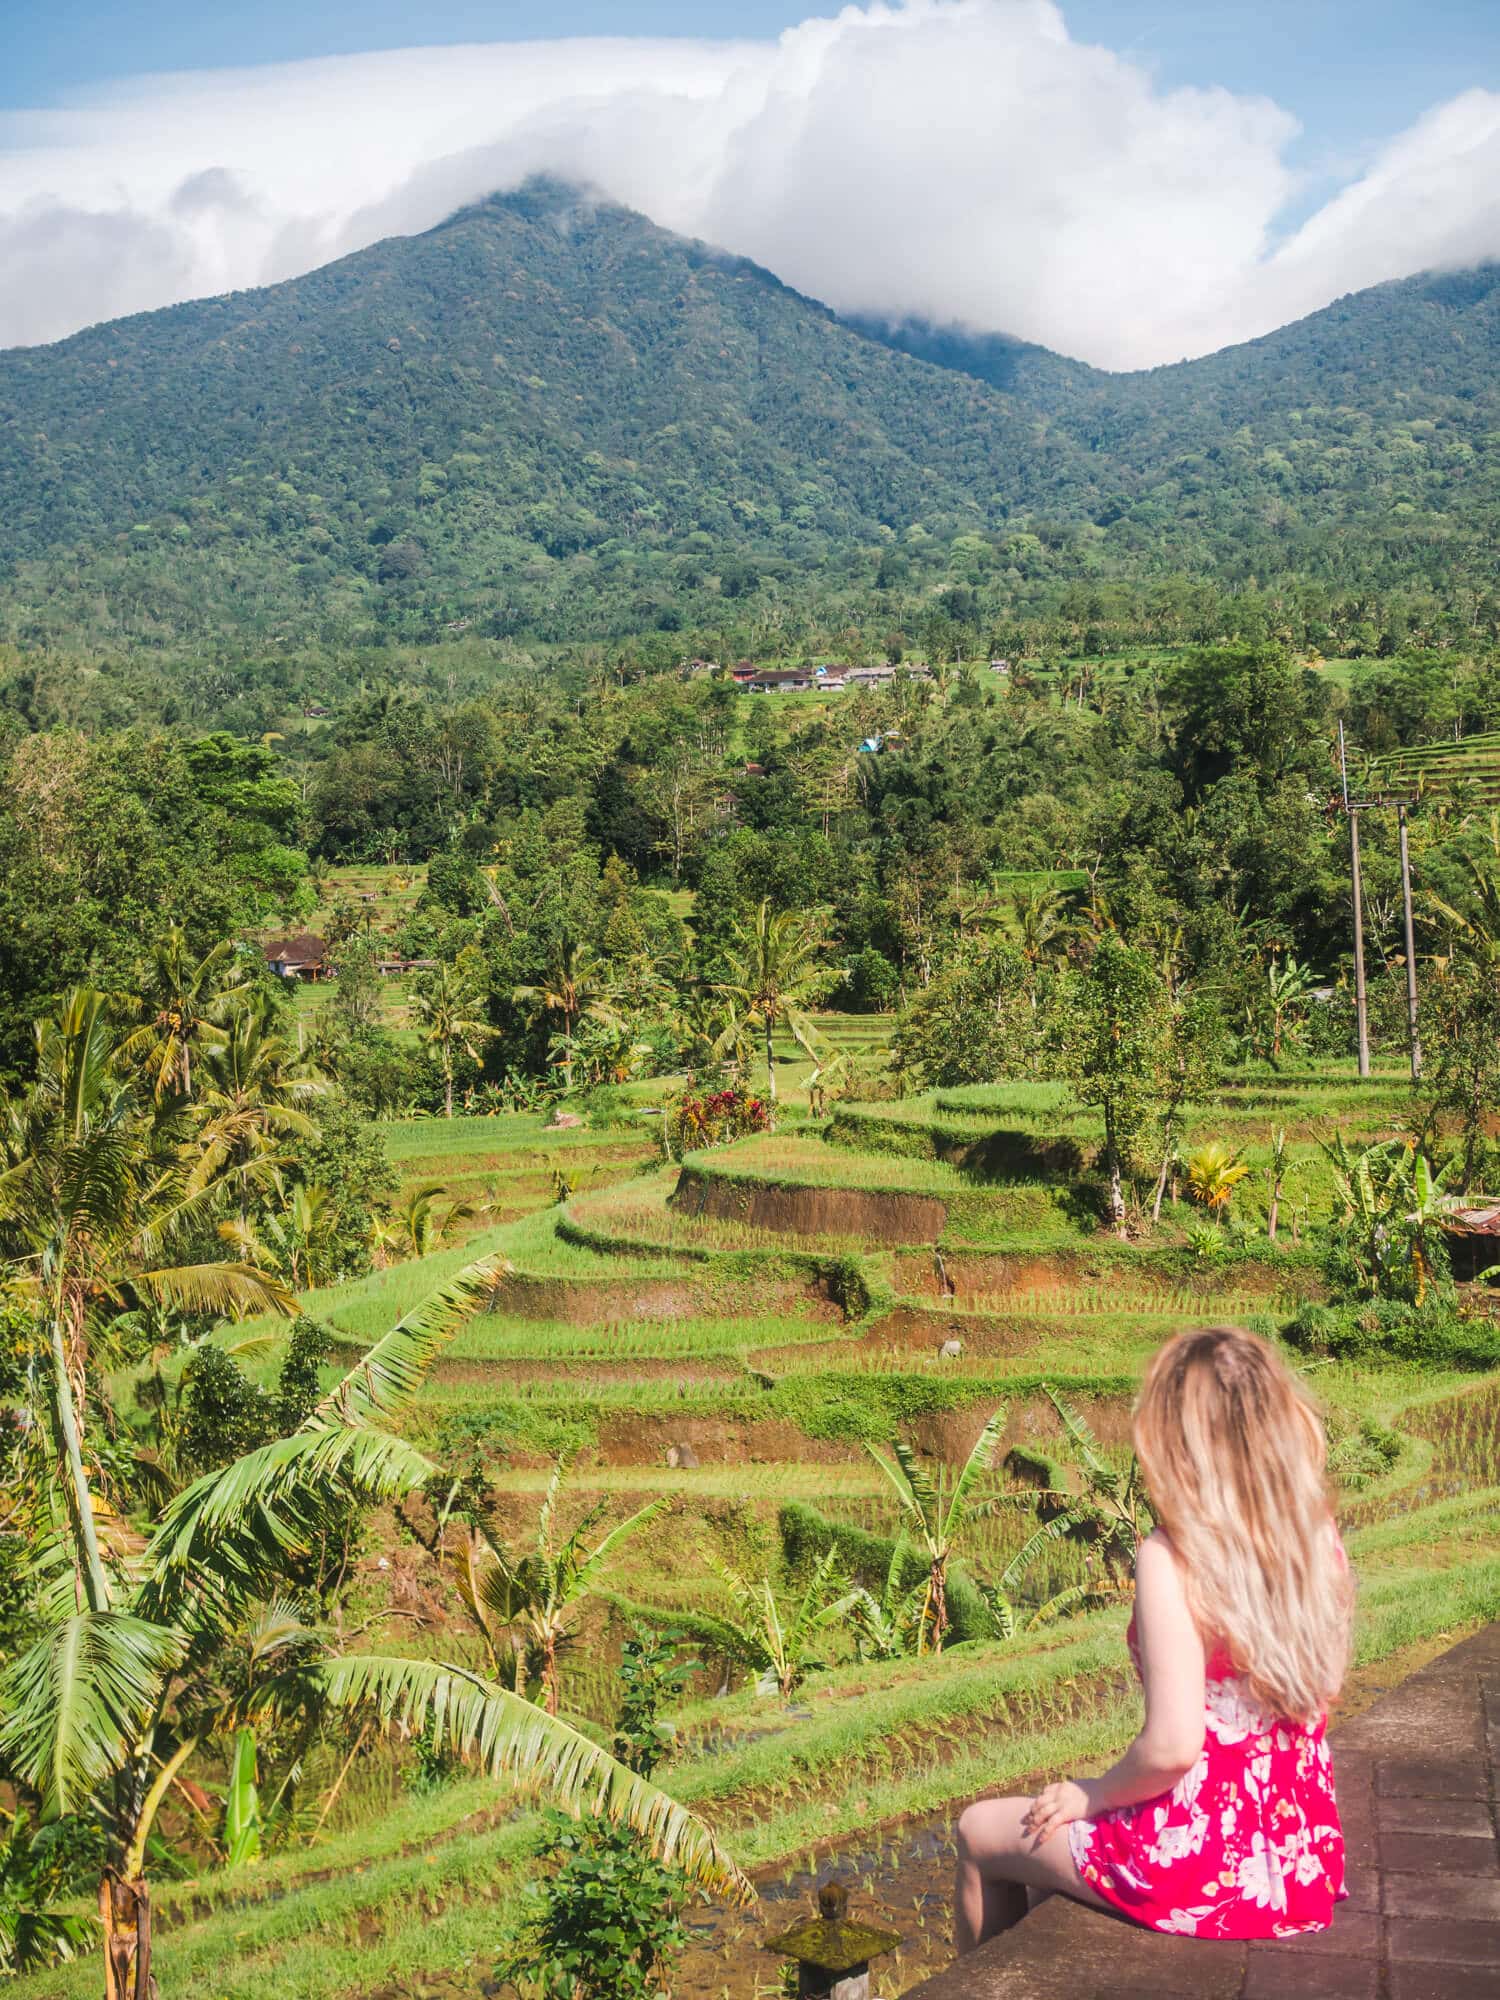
(388, 1374)
(73, 1704)
(512, 1738)
(230, 1537)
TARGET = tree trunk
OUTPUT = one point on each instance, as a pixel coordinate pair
(1161, 1184)
(1274, 1216)
(771, 1065)
(549, 1671)
(938, 1591)
(448, 1086)
(125, 1912)
(1112, 1166)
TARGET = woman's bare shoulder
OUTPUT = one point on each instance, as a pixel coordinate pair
(1158, 1566)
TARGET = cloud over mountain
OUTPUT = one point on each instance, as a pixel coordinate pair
(962, 160)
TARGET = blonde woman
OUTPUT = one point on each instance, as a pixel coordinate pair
(1220, 1819)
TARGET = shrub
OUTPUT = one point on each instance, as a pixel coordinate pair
(606, 1921)
(716, 1118)
(1394, 1329)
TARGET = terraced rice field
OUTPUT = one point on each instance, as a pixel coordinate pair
(730, 1334)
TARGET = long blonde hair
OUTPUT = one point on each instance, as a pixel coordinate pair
(1233, 1454)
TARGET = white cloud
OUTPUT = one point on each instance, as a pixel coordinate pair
(961, 159)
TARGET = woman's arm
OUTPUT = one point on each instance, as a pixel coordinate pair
(1172, 1673)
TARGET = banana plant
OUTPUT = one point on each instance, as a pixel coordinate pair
(890, 1627)
(772, 1637)
(1107, 1514)
(936, 1512)
(530, 1599)
(1389, 1203)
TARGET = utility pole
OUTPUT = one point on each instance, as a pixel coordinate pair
(1411, 951)
(1352, 810)
(1361, 1004)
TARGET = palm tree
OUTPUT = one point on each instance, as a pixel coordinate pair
(935, 1515)
(536, 1594)
(289, 1242)
(1214, 1171)
(446, 1004)
(775, 981)
(255, 1090)
(1038, 923)
(182, 1007)
(107, 1705)
(416, 1227)
(95, 1186)
(576, 988)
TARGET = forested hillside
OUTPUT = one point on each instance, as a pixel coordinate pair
(550, 419)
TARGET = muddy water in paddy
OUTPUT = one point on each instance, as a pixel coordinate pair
(901, 1880)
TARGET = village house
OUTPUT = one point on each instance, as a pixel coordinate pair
(781, 680)
(303, 956)
(1473, 1232)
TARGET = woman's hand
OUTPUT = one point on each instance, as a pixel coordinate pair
(1053, 1807)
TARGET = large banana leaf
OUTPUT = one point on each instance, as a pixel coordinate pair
(514, 1739)
(977, 1465)
(72, 1706)
(388, 1374)
(226, 1539)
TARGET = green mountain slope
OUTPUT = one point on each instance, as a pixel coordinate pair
(548, 417)
(1362, 440)
(539, 396)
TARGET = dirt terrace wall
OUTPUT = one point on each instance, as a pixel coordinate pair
(872, 1214)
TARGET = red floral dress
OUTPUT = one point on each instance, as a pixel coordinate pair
(1246, 1845)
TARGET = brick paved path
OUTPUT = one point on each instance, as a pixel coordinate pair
(1416, 1784)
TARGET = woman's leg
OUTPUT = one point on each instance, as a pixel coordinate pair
(997, 1865)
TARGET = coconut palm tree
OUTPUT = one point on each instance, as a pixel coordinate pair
(107, 1705)
(935, 1513)
(95, 1185)
(416, 1226)
(535, 1595)
(181, 1008)
(1039, 922)
(776, 979)
(447, 1006)
(292, 1241)
(255, 1091)
(576, 988)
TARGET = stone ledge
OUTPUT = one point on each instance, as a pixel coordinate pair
(1423, 1917)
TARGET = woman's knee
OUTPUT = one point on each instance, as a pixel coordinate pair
(989, 1829)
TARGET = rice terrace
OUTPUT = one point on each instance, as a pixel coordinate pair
(723, 1338)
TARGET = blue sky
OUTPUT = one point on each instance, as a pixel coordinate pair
(1352, 71)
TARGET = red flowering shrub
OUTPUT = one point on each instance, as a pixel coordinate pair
(715, 1118)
